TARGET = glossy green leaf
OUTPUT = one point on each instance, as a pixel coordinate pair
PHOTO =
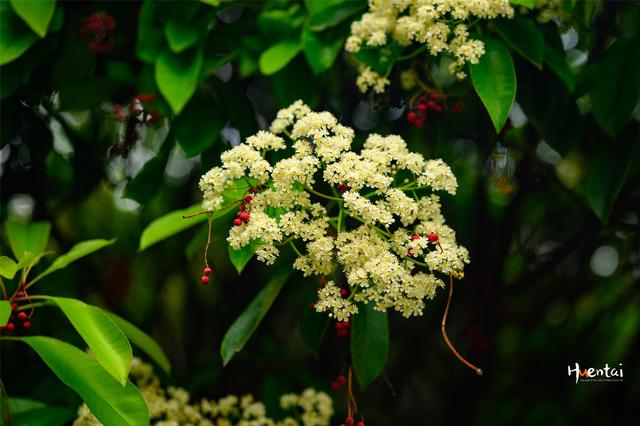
(108, 343)
(333, 15)
(35, 13)
(380, 59)
(278, 56)
(170, 224)
(240, 258)
(5, 312)
(150, 38)
(243, 327)
(78, 251)
(527, 3)
(614, 97)
(15, 36)
(108, 400)
(313, 327)
(523, 36)
(494, 79)
(369, 343)
(177, 76)
(609, 169)
(29, 412)
(199, 125)
(211, 2)
(321, 49)
(32, 237)
(180, 35)
(143, 341)
(315, 6)
(8, 267)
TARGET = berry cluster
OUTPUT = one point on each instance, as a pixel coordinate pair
(350, 422)
(432, 237)
(204, 279)
(343, 328)
(431, 102)
(338, 383)
(98, 28)
(243, 211)
(20, 318)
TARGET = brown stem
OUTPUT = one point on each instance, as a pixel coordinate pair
(444, 332)
(206, 248)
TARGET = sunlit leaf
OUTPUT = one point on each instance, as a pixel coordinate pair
(32, 237)
(278, 56)
(177, 76)
(35, 13)
(78, 251)
(494, 79)
(15, 36)
(143, 341)
(8, 267)
(108, 400)
(105, 339)
(5, 312)
(333, 15)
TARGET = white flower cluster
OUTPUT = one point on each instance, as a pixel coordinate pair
(370, 215)
(171, 406)
(440, 25)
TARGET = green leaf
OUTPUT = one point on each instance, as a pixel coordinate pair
(32, 238)
(380, 59)
(150, 39)
(608, 172)
(35, 13)
(143, 341)
(170, 224)
(321, 49)
(78, 251)
(199, 125)
(494, 80)
(5, 312)
(369, 343)
(177, 76)
(333, 15)
(108, 343)
(180, 35)
(111, 403)
(555, 57)
(526, 3)
(315, 6)
(243, 327)
(34, 413)
(313, 327)
(211, 2)
(614, 97)
(278, 56)
(524, 37)
(15, 36)
(240, 258)
(8, 267)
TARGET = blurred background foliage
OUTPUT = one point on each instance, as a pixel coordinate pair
(112, 110)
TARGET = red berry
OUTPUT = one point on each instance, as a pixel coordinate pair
(349, 420)
(336, 386)
(242, 207)
(431, 105)
(237, 222)
(14, 306)
(22, 316)
(434, 96)
(26, 324)
(341, 380)
(412, 116)
(415, 237)
(248, 198)
(438, 108)
(419, 122)
(457, 107)
(10, 326)
(341, 187)
(207, 271)
(433, 237)
(243, 216)
(360, 424)
(410, 252)
(422, 107)
(204, 279)
(343, 292)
